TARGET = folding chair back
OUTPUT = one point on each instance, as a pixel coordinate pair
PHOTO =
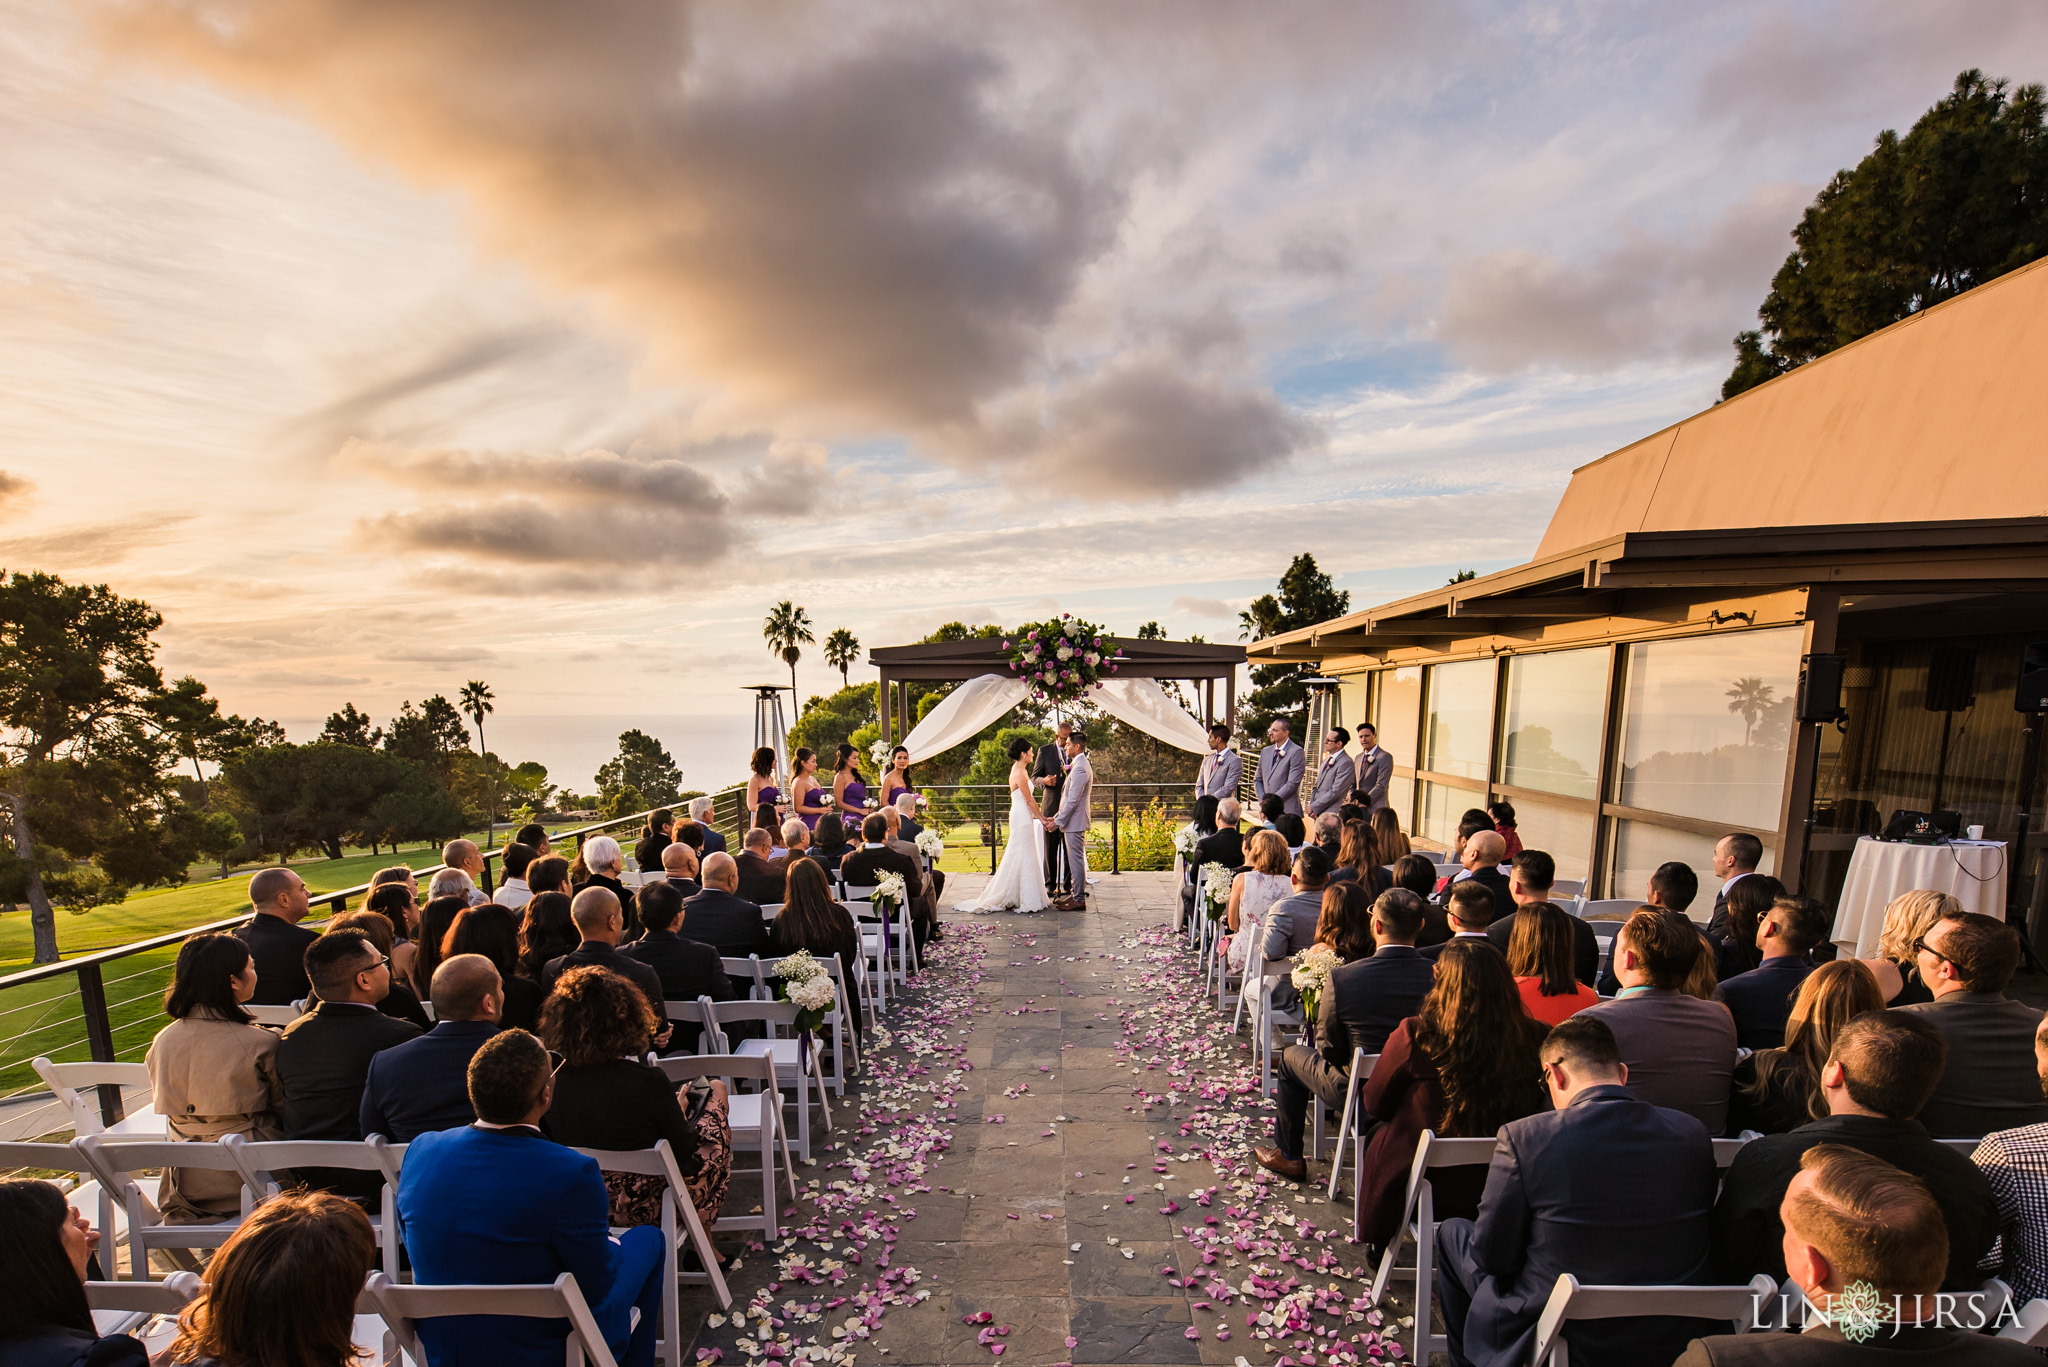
(78, 1086)
(89, 1196)
(2030, 1325)
(678, 1222)
(259, 1160)
(698, 1013)
(795, 1058)
(1610, 909)
(1419, 1218)
(404, 1307)
(835, 1019)
(117, 1161)
(124, 1307)
(1739, 1305)
(1725, 1151)
(747, 970)
(276, 1017)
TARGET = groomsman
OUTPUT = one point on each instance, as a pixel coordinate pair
(1051, 770)
(1279, 773)
(1334, 779)
(1221, 768)
(1375, 767)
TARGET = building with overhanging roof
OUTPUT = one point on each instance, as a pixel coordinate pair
(1632, 689)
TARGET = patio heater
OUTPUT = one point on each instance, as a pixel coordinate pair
(1325, 711)
(770, 730)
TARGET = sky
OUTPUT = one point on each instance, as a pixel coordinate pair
(386, 344)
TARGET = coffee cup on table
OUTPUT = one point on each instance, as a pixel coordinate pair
(1974, 832)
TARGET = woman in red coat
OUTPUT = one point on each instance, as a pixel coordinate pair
(1464, 1066)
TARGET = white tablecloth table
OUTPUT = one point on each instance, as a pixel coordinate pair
(1971, 871)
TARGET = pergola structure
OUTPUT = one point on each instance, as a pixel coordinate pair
(1199, 663)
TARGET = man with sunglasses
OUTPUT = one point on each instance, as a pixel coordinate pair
(1988, 1083)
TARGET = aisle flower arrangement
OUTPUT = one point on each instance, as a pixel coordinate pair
(1062, 660)
(1186, 839)
(806, 985)
(931, 845)
(889, 890)
(1311, 976)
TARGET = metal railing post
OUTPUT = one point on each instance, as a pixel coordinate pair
(99, 1037)
(1115, 853)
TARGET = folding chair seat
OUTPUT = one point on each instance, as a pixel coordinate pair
(679, 1221)
(118, 1161)
(260, 1159)
(796, 1059)
(1418, 1216)
(877, 947)
(756, 1123)
(403, 1307)
(77, 1086)
(88, 1195)
(1569, 1302)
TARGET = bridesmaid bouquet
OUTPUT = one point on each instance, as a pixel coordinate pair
(1311, 976)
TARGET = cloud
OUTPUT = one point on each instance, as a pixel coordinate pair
(17, 492)
(1203, 607)
(89, 547)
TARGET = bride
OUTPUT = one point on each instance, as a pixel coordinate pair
(1019, 883)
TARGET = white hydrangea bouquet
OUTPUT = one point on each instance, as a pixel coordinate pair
(1311, 976)
(931, 844)
(807, 986)
(889, 889)
(1186, 839)
(1215, 897)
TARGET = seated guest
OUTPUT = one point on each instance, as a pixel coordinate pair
(596, 914)
(1605, 1186)
(398, 905)
(514, 892)
(1988, 1082)
(876, 857)
(1204, 817)
(1224, 848)
(1503, 813)
(1907, 918)
(1480, 863)
(1775, 1090)
(1345, 922)
(1358, 857)
(1530, 879)
(1540, 957)
(1470, 824)
(437, 918)
(323, 1059)
(534, 836)
(462, 856)
(1263, 882)
(606, 1097)
(1854, 1224)
(909, 828)
(1761, 999)
(1461, 1066)
(46, 1251)
(1330, 833)
(1386, 828)
(212, 1073)
(276, 939)
(711, 841)
(549, 873)
(606, 861)
(830, 847)
(1418, 875)
(1736, 856)
(1680, 1051)
(688, 968)
(762, 876)
(307, 1251)
(924, 906)
(796, 845)
(548, 932)
(2016, 1163)
(1878, 1077)
(719, 917)
(422, 1085)
(1368, 998)
(1673, 886)
(1740, 915)
(1291, 922)
(679, 868)
(811, 920)
(1274, 815)
(499, 1202)
(1468, 909)
(655, 837)
(490, 931)
(401, 1001)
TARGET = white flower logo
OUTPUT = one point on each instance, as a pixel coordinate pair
(1858, 1311)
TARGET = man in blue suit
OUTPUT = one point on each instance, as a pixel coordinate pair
(497, 1202)
(1613, 1190)
(422, 1085)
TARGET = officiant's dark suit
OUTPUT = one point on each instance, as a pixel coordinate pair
(1051, 770)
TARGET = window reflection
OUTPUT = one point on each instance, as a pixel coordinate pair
(1707, 723)
(1460, 735)
(1552, 730)
(1562, 832)
(1400, 712)
(1640, 847)
(1442, 805)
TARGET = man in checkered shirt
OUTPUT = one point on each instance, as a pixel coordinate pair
(2016, 1162)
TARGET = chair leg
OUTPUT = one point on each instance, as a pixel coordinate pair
(1343, 1133)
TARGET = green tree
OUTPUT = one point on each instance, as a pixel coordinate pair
(1151, 631)
(786, 629)
(1463, 577)
(622, 801)
(1961, 199)
(842, 648)
(1306, 596)
(645, 766)
(430, 735)
(826, 722)
(326, 796)
(476, 698)
(191, 719)
(530, 779)
(350, 727)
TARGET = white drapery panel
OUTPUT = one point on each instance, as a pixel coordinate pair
(1144, 704)
(962, 713)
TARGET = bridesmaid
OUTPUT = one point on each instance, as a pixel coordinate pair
(764, 799)
(809, 796)
(897, 780)
(849, 789)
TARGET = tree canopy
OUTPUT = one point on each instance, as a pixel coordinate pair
(1962, 198)
(1306, 596)
(643, 765)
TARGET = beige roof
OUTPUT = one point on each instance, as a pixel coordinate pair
(1942, 416)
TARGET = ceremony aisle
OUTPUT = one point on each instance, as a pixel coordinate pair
(1053, 1165)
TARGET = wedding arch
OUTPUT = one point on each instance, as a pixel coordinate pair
(988, 689)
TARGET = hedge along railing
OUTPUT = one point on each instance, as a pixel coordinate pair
(95, 1013)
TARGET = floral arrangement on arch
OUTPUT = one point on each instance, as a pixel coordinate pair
(1062, 660)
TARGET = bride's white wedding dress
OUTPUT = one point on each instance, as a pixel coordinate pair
(1019, 881)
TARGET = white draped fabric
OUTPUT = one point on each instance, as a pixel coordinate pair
(1144, 704)
(963, 712)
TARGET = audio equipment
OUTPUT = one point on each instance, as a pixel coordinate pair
(1820, 689)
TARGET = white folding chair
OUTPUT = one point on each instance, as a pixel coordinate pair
(259, 1160)
(756, 1123)
(276, 1017)
(1567, 890)
(124, 1307)
(2030, 1325)
(795, 1058)
(1266, 1017)
(748, 970)
(876, 946)
(1569, 1301)
(1361, 1068)
(1726, 1149)
(902, 944)
(118, 1161)
(1419, 1219)
(1965, 1147)
(87, 1195)
(403, 1307)
(77, 1086)
(679, 1221)
(698, 1013)
(842, 1036)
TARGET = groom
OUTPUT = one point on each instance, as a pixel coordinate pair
(1071, 820)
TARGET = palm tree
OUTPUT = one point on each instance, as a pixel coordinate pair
(786, 629)
(476, 698)
(1752, 697)
(842, 647)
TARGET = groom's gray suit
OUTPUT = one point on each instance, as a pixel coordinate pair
(1072, 821)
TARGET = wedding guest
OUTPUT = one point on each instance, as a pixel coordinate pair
(1736, 856)
(809, 799)
(720, 917)
(1503, 813)
(2016, 1164)
(678, 869)
(896, 780)
(1680, 1051)
(400, 908)
(596, 914)
(401, 1002)
(762, 875)
(701, 809)
(1775, 1090)
(490, 933)
(1673, 886)
(534, 836)
(1418, 875)
(607, 1097)
(849, 788)
(1761, 999)
(1394, 846)
(549, 873)
(1748, 902)
(1540, 958)
(606, 861)
(46, 1250)
(1358, 859)
(436, 917)
(688, 968)
(811, 920)
(1274, 814)
(513, 861)
(547, 933)
(909, 828)
(796, 839)
(1468, 911)
(422, 1085)
(1345, 922)
(1530, 878)
(1988, 1083)
(1252, 892)
(831, 846)
(1224, 847)
(764, 800)
(1907, 918)
(463, 856)
(212, 1072)
(1291, 921)
(655, 836)
(1479, 863)
(275, 938)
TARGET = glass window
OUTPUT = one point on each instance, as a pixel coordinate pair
(1351, 698)
(1564, 833)
(1401, 797)
(1460, 737)
(1706, 725)
(1400, 712)
(1442, 805)
(1640, 847)
(1552, 730)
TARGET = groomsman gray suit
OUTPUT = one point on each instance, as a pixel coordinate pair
(1072, 821)
(1375, 768)
(1221, 771)
(1280, 773)
(1333, 784)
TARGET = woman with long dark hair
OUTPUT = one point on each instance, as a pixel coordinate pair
(435, 918)
(809, 798)
(1775, 1090)
(831, 845)
(1358, 859)
(897, 780)
(282, 1290)
(1540, 957)
(657, 835)
(1749, 902)
(849, 788)
(399, 904)
(764, 799)
(547, 933)
(1386, 829)
(213, 1071)
(810, 919)
(489, 930)
(45, 1250)
(1464, 1066)
(1345, 922)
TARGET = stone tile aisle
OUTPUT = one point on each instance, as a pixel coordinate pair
(1053, 1166)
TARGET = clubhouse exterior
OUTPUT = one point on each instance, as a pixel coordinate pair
(1634, 688)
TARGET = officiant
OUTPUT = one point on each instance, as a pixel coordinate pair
(1051, 771)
